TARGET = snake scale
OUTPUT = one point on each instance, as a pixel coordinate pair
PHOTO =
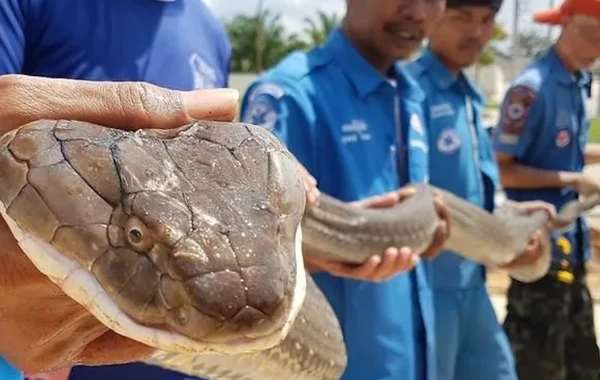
(190, 240)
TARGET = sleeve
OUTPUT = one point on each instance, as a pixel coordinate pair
(12, 36)
(281, 110)
(520, 115)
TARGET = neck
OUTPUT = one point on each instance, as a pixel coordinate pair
(381, 63)
(563, 54)
(451, 66)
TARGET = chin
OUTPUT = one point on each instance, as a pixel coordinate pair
(404, 52)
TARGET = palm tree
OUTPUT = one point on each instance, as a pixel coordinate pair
(318, 31)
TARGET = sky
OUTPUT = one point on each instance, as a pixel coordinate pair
(294, 11)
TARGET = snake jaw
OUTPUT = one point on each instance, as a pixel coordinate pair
(81, 286)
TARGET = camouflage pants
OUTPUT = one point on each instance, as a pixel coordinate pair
(551, 328)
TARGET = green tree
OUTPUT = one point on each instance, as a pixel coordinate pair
(531, 43)
(489, 53)
(317, 30)
(259, 42)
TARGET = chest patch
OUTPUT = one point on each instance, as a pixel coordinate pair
(204, 75)
(563, 138)
(261, 113)
(449, 141)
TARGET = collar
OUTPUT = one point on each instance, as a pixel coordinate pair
(363, 75)
(581, 78)
(443, 78)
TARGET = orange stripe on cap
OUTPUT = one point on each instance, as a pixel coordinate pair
(554, 16)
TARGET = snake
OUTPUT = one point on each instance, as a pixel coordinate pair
(191, 240)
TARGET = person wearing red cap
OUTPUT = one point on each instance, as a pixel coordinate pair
(473, 344)
(540, 143)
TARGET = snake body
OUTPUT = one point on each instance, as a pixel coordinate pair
(190, 240)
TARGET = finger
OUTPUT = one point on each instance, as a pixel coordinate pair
(379, 201)
(406, 260)
(364, 271)
(127, 105)
(406, 192)
(388, 264)
(443, 213)
(439, 240)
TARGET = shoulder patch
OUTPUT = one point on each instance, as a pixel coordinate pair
(261, 112)
(266, 88)
(519, 100)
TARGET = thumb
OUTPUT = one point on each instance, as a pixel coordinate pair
(125, 105)
(379, 201)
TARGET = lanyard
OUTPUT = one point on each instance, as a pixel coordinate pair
(475, 140)
(398, 152)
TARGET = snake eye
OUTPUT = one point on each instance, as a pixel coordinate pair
(135, 236)
(138, 235)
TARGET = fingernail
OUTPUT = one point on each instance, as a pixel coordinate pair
(213, 103)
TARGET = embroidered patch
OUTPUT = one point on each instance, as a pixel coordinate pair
(415, 124)
(518, 104)
(267, 88)
(354, 131)
(449, 141)
(563, 138)
(262, 113)
(440, 110)
(204, 75)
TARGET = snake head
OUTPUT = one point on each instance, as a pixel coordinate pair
(185, 240)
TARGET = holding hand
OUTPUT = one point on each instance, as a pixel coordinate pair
(394, 260)
(41, 328)
(534, 249)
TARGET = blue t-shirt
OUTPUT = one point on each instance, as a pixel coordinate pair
(543, 124)
(461, 158)
(359, 134)
(176, 44)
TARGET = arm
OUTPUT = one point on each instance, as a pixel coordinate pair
(12, 36)
(515, 175)
(592, 153)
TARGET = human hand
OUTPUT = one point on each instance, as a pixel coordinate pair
(394, 260)
(310, 184)
(442, 232)
(529, 207)
(378, 267)
(586, 185)
(530, 255)
(534, 249)
(41, 328)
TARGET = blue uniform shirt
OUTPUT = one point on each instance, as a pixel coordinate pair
(461, 159)
(359, 135)
(544, 125)
(177, 44)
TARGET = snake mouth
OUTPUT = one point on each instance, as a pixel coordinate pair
(78, 283)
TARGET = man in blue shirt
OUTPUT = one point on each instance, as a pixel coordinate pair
(175, 44)
(461, 160)
(352, 116)
(540, 143)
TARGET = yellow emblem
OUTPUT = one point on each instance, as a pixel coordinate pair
(564, 245)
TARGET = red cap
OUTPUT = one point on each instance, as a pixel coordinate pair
(569, 7)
